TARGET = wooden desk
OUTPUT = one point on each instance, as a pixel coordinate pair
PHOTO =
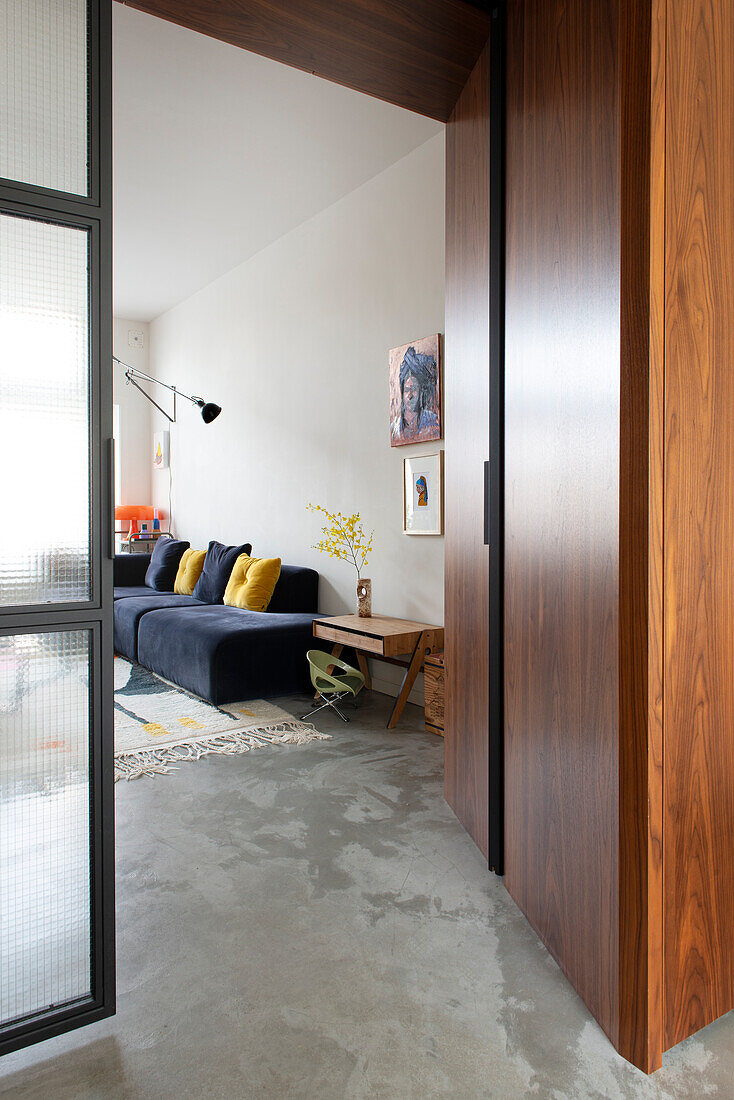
(385, 638)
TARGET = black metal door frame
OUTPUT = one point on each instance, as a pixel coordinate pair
(496, 471)
(94, 213)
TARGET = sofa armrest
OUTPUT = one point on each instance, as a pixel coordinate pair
(297, 590)
(129, 569)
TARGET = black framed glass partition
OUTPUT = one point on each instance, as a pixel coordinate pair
(56, 546)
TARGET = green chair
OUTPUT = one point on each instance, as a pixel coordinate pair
(330, 685)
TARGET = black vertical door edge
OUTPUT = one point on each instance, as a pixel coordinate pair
(496, 438)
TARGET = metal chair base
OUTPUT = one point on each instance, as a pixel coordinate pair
(330, 701)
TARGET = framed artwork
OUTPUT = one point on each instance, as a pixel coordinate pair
(415, 392)
(161, 450)
(423, 494)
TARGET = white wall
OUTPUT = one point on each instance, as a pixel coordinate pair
(293, 345)
(136, 458)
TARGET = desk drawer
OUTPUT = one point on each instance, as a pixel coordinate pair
(347, 637)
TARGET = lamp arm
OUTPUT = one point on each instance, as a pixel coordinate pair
(131, 373)
(169, 418)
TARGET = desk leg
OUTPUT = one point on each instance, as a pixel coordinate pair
(364, 668)
(424, 646)
(336, 652)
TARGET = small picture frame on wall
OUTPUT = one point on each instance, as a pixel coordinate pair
(161, 450)
(423, 494)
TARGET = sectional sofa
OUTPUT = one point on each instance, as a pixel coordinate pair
(222, 654)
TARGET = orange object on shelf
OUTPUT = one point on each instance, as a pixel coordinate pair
(131, 515)
(134, 511)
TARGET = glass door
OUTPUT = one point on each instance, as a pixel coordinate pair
(56, 540)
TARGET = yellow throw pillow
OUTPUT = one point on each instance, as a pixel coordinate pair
(189, 571)
(252, 582)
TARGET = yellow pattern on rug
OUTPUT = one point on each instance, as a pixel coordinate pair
(158, 725)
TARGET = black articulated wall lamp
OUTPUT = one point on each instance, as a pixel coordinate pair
(209, 411)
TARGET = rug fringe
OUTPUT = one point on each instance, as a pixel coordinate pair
(150, 762)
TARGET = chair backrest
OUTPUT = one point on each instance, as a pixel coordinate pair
(326, 682)
(318, 663)
(319, 660)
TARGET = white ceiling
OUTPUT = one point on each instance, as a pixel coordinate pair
(218, 152)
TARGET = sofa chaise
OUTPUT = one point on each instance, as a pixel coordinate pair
(222, 654)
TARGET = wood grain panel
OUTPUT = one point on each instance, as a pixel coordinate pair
(433, 676)
(699, 517)
(466, 732)
(655, 1037)
(414, 53)
(642, 329)
(344, 637)
(562, 439)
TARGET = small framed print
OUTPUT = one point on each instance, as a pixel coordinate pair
(423, 494)
(161, 450)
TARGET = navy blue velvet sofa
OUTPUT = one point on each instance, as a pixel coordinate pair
(222, 654)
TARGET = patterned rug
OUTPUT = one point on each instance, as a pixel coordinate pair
(158, 725)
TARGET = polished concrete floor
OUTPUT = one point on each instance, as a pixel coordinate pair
(313, 922)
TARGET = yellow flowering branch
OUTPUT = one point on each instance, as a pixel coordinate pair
(344, 538)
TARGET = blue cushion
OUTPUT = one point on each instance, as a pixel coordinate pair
(128, 590)
(225, 654)
(128, 613)
(218, 564)
(164, 562)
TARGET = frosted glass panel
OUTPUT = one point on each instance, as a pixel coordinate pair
(45, 940)
(44, 413)
(43, 93)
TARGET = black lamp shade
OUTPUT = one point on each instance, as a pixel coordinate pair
(210, 412)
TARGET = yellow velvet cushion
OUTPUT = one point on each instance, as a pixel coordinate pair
(189, 571)
(252, 582)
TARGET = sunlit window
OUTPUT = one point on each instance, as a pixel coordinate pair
(44, 413)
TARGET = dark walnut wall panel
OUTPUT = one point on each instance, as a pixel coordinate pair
(699, 517)
(562, 483)
(619, 505)
(641, 485)
(414, 53)
(467, 350)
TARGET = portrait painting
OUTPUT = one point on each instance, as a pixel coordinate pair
(423, 494)
(415, 392)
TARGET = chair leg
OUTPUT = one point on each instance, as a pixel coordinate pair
(336, 708)
(315, 710)
(329, 703)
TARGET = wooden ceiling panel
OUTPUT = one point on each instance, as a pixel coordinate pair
(416, 54)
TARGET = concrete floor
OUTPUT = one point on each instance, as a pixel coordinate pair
(313, 922)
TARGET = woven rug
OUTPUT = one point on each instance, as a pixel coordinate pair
(157, 725)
